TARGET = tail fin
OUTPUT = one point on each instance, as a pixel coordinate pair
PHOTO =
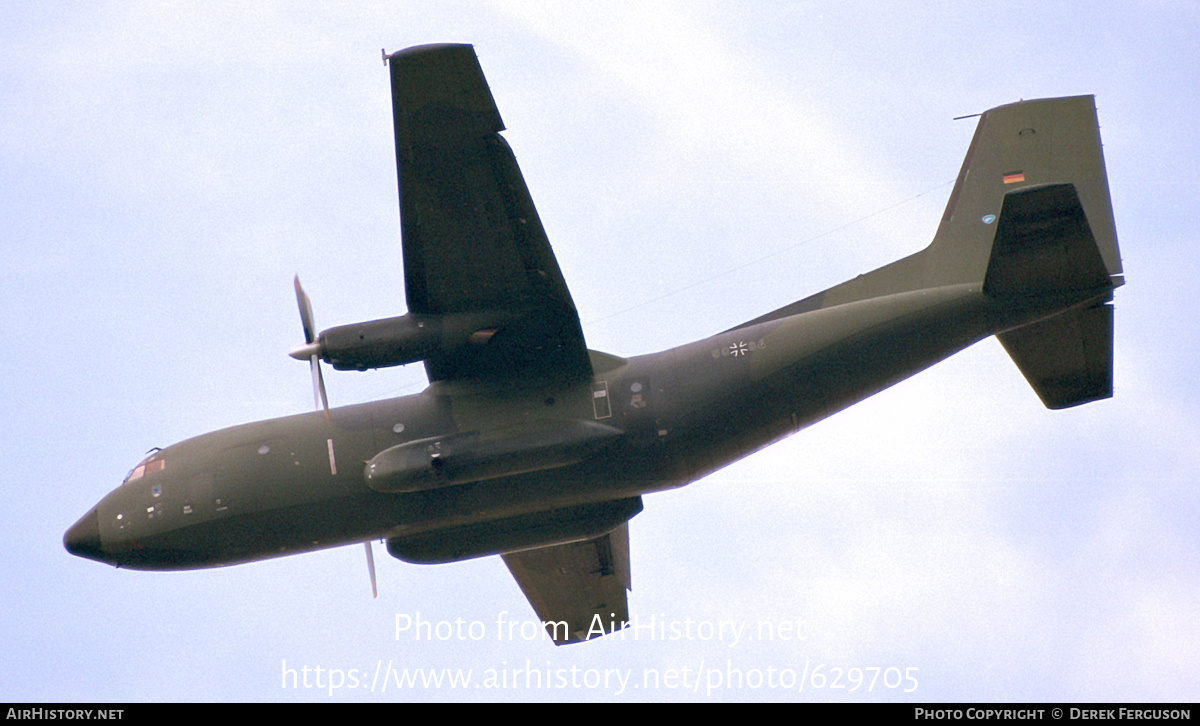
(1054, 246)
(1017, 148)
(1030, 220)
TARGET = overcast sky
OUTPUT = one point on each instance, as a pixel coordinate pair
(166, 168)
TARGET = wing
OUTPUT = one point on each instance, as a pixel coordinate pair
(472, 239)
(579, 589)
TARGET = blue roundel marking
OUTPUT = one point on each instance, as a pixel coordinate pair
(988, 218)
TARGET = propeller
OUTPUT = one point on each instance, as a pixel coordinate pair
(311, 350)
(371, 568)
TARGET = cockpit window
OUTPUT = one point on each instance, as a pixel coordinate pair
(148, 465)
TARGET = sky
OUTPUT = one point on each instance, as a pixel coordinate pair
(166, 168)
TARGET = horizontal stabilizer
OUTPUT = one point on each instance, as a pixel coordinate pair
(1044, 246)
(1068, 358)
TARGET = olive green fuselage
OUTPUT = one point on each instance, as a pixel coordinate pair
(297, 484)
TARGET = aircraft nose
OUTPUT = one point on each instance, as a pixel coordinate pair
(83, 538)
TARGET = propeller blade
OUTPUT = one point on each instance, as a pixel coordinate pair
(371, 568)
(310, 349)
(320, 400)
(306, 313)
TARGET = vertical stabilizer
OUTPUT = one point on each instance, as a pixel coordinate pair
(1055, 245)
(1017, 149)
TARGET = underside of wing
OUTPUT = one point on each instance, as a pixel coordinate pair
(578, 590)
(472, 238)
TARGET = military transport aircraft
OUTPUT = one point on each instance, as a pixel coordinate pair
(528, 445)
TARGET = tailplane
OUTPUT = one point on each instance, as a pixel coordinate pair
(1029, 221)
(1067, 358)
(1045, 255)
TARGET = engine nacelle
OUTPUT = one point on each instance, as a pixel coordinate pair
(474, 456)
(405, 339)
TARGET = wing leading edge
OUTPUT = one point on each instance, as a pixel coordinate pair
(471, 235)
(579, 590)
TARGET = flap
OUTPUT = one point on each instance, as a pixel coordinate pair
(579, 589)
